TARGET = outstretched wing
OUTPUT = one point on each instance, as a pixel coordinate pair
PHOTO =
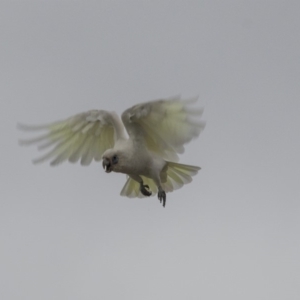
(82, 137)
(164, 125)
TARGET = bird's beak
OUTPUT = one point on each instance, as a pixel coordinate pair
(106, 165)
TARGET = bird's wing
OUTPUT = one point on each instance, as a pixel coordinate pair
(82, 137)
(164, 125)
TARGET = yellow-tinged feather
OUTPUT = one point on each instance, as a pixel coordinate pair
(82, 137)
(177, 176)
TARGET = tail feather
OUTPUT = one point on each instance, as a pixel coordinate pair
(178, 175)
(131, 188)
(174, 176)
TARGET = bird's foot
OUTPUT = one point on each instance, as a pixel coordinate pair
(161, 195)
(144, 188)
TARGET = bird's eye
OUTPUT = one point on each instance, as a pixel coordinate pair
(115, 159)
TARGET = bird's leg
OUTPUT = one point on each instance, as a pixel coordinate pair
(161, 195)
(144, 188)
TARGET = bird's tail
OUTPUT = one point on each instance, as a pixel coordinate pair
(173, 177)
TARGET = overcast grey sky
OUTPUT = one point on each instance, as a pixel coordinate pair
(233, 233)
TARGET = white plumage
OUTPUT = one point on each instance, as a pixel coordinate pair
(157, 131)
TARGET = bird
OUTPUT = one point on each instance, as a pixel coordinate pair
(144, 143)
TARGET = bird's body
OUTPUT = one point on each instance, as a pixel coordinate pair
(156, 131)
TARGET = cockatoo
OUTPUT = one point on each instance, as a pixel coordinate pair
(157, 131)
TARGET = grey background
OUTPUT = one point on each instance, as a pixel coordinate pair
(233, 233)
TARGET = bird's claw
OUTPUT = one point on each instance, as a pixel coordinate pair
(162, 197)
(144, 190)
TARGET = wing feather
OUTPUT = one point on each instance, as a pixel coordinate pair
(164, 125)
(82, 137)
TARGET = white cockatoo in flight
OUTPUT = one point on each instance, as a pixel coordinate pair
(157, 131)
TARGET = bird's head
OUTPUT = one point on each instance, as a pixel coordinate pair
(111, 160)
